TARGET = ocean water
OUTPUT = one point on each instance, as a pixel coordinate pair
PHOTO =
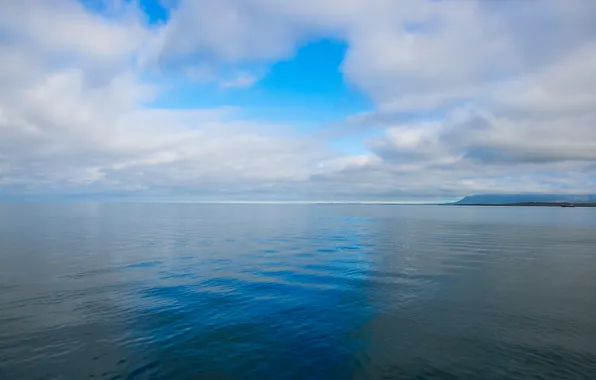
(198, 291)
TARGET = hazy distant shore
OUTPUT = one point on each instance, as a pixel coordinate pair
(525, 204)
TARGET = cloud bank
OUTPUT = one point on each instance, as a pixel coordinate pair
(468, 97)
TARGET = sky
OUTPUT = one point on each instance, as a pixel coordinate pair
(385, 100)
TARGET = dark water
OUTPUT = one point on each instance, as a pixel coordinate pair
(183, 291)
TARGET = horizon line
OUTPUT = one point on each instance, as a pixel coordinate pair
(388, 202)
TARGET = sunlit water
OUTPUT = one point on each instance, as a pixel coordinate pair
(185, 291)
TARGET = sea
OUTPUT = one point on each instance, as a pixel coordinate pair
(296, 291)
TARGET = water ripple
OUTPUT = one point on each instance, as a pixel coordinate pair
(319, 292)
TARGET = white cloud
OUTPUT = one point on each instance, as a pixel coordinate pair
(63, 26)
(242, 80)
(504, 108)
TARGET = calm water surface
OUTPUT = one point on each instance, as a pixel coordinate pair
(186, 291)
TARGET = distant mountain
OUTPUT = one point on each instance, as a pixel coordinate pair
(494, 199)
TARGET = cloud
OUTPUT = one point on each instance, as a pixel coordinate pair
(242, 80)
(65, 27)
(468, 97)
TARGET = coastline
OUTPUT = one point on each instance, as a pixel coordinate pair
(525, 204)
